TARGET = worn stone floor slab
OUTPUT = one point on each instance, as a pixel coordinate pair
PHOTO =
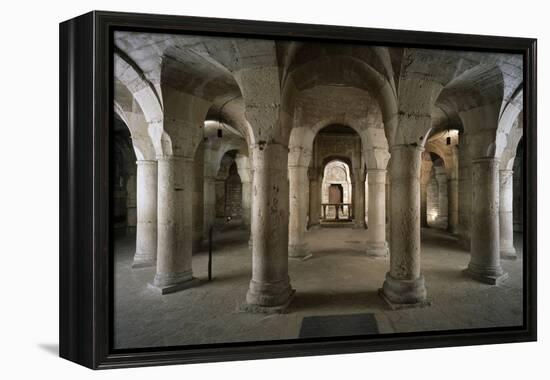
(339, 279)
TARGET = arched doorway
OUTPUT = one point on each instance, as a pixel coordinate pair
(336, 192)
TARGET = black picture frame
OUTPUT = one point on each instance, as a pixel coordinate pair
(85, 118)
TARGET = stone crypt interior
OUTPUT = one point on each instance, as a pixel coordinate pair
(342, 190)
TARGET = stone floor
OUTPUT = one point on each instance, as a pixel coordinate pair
(338, 279)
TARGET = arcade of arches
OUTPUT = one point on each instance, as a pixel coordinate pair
(334, 179)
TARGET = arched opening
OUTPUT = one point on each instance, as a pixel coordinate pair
(336, 192)
(437, 195)
(229, 191)
(339, 194)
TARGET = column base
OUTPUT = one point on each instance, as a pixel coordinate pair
(377, 249)
(269, 294)
(143, 263)
(144, 260)
(403, 294)
(259, 309)
(508, 254)
(491, 276)
(165, 284)
(298, 251)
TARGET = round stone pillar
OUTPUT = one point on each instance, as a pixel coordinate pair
(404, 285)
(175, 231)
(376, 232)
(246, 202)
(506, 216)
(269, 288)
(485, 252)
(146, 204)
(359, 199)
(314, 198)
(298, 182)
(245, 174)
(464, 193)
(452, 192)
(452, 196)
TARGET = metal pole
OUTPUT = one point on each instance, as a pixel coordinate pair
(210, 253)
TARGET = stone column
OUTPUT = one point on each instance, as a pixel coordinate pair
(314, 198)
(441, 178)
(269, 288)
(359, 199)
(175, 231)
(376, 232)
(464, 193)
(506, 215)
(246, 202)
(299, 202)
(452, 196)
(404, 285)
(146, 204)
(243, 167)
(452, 193)
(485, 252)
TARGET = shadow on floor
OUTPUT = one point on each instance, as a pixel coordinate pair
(51, 348)
(312, 301)
(349, 252)
(218, 278)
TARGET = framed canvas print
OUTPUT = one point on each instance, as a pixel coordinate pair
(238, 189)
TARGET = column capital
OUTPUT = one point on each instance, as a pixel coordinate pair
(146, 162)
(376, 176)
(376, 171)
(481, 160)
(174, 158)
(506, 173)
(406, 146)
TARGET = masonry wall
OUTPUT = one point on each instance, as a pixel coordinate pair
(233, 195)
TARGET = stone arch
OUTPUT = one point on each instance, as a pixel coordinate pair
(352, 72)
(131, 86)
(130, 113)
(476, 96)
